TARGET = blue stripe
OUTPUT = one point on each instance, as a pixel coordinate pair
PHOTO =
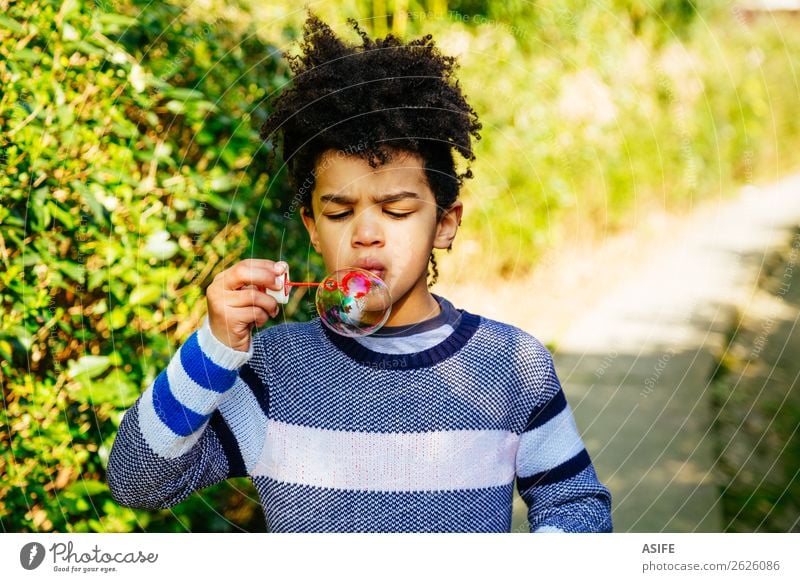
(249, 377)
(236, 466)
(563, 471)
(425, 359)
(290, 507)
(172, 413)
(202, 370)
(547, 412)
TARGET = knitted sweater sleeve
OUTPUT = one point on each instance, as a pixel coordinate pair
(555, 475)
(174, 439)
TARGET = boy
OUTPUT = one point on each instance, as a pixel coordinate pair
(422, 426)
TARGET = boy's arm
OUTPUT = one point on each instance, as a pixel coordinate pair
(174, 440)
(555, 476)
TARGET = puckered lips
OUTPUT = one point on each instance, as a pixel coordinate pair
(373, 265)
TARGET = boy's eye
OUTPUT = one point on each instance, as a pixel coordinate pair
(346, 213)
(395, 214)
(338, 215)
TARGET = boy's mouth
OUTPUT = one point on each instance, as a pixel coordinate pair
(373, 266)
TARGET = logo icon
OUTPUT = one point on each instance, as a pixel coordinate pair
(31, 555)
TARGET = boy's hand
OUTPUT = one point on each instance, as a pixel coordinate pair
(237, 300)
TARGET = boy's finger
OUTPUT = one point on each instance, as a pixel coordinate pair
(247, 273)
(249, 316)
(250, 297)
(279, 267)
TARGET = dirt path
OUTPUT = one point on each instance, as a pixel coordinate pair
(638, 324)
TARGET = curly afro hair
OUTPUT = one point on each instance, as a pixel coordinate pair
(369, 101)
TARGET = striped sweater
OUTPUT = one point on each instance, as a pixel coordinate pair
(337, 437)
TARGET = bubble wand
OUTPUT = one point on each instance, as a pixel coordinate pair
(352, 302)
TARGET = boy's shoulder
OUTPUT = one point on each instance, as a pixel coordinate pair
(511, 338)
(519, 358)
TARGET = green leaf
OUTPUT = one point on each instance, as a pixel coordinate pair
(222, 183)
(145, 295)
(118, 19)
(11, 24)
(68, 8)
(96, 278)
(183, 94)
(118, 317)
(100, 307)
(40, 209)
(125, 131)
(31, 258)
(198, 225)
(116, 389)
(86, 48)
(61, 215)
(206, 106)
(86, 487)
(205, 137)
(176, 107)
(5, 350)
(88, 366)
(27, 55)
(160, 246)
(74, 271)
(23, 336)
(138, 78)
(89, 195)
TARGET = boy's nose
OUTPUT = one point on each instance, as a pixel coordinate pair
(367, 230)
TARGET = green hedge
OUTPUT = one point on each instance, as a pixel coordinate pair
(132, 173)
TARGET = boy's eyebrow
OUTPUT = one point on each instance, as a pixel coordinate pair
(387, 197)
(394, 196)
(336, 198)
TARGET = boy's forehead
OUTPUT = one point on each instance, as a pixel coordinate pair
(337, 172)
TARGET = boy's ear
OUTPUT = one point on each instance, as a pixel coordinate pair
(311, 226)
(448, 226)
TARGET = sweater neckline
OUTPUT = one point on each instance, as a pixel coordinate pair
(467, 326)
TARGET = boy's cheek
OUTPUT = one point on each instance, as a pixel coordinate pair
(331, 261)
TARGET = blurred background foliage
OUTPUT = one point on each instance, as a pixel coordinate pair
(131, 173)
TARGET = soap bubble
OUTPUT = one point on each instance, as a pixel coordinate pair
(353, 302)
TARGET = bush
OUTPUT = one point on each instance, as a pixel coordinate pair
(132, 172)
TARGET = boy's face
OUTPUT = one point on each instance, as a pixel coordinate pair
(383, 220)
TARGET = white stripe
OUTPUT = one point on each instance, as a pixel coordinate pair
(190, 393)
(546, 447)
(406, 344)
(158, 435)
(247, 422)
(219, 353)
(422, 461)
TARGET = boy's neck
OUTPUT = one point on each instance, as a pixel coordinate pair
(415, 306)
